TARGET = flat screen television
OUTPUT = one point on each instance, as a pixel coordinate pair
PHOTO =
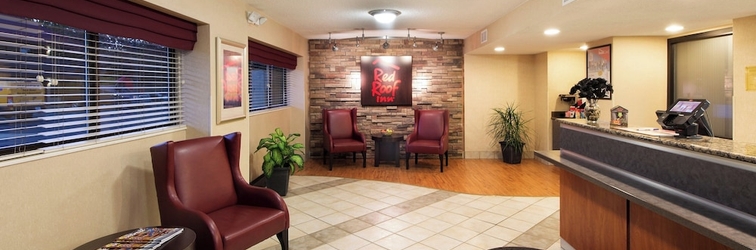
(684, 116)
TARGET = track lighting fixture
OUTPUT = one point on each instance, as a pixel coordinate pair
(414, 40)
(357, 39)
(333, 46)
(438, 44)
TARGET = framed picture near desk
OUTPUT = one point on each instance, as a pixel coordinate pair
(231, 65)
(599, 64)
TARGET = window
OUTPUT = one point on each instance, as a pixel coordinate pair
(268, 86)
(701, 68)
(60, 85)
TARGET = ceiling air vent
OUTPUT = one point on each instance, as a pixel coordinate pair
(484, 35)
(565, 2)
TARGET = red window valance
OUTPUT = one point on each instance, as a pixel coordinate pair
(114, 17)
(265, 54)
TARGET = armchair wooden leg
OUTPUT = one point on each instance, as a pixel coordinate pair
(364, 161)
(354, 156)
(441, 160)
(406, 161)
(330, 161)
(447, 157)
(416, 158)
(325, 155)
(283, 238)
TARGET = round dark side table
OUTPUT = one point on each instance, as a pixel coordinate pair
(387, 148)
(183, 241)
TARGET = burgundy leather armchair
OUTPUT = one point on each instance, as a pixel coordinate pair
(340, 135)
(199, 186)
(431, 135)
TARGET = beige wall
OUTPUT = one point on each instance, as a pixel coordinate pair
(563, 69)
(291, 119)
(639, 78)
(744, 102)
(74, 195)
(63, 199)
(541, 116)
(492, 81)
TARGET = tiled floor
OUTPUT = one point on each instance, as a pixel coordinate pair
(338, 213)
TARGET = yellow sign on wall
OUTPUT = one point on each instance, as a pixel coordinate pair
(751, 78)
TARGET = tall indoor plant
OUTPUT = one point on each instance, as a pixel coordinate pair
(283, 159)
(509, 127)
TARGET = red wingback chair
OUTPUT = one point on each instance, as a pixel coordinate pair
(340, 135)
(431, 135)
(199, 186)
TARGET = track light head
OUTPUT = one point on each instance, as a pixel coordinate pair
(386, 44)
(334, 47)
(438, 44)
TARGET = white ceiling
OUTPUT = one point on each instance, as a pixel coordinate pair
(517, 25)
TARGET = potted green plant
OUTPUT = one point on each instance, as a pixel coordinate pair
(282, 160)
(509, 127)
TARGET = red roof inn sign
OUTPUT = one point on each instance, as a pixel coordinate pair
(386, 80)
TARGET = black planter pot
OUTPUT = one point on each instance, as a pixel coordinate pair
(279, 180)
(510, 155)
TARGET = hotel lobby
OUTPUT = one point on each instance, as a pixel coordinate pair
(467, 58)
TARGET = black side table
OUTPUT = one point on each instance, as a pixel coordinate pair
(387, 148)
(183, 241)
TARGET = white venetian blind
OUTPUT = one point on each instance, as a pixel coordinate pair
(60, 85)
(268, 86)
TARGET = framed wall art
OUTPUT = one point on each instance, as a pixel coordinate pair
(231, 65)
(599, 64)
(386, 80)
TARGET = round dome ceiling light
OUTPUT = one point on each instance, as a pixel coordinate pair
(384, 15)
(551, 32)
(674, 28)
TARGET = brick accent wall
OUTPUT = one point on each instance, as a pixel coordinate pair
(437, 78)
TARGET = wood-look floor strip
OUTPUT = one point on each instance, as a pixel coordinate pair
(471, 176)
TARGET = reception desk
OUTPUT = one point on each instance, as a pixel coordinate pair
(625, 189)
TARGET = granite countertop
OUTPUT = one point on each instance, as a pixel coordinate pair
(740, 151)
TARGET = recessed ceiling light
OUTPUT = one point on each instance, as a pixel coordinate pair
(674, 28)
(551, 32)
(584, 47)
(384, 15)
(499, 49)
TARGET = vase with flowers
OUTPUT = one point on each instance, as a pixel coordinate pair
(592, 89)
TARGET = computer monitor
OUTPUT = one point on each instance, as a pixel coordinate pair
(703, 124)
(684, 116)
